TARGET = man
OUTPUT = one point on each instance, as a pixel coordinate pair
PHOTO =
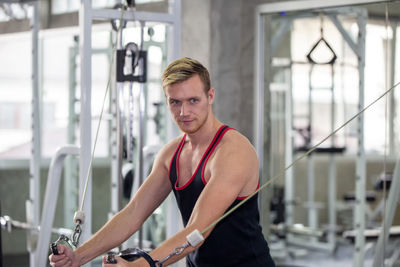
(210, 168)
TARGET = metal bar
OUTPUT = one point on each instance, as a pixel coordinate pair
(260, 142)
(312, 208)
(259, 89)
(50, 201)
(34, 166)
(332, 170)
(141, 105)
(174, 40)
(130, 119)
(289, 178)
(387, 222)
(333, 109)
(117, 137)
(392, 99)
(332, 200)
(113, 14)
(360, 186)
(71, 164)
(7, 223)
(117, 150)
(175, 8)
(309, 4)
(345, 34)
(85, 46)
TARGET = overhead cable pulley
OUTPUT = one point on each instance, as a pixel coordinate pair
(131, 64)
(322, 41)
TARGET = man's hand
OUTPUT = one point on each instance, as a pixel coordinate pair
(120, 262)
(65, 258)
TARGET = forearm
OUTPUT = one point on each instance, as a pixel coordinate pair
(168, 247)
(111, 235)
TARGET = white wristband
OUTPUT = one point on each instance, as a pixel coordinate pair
(194, 238)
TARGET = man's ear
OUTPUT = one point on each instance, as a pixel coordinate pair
(211, 94)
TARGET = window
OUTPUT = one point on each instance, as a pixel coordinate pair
(59, 63)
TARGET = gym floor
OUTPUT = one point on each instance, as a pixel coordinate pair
(342, 257)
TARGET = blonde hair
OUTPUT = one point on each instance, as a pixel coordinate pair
(184, 68)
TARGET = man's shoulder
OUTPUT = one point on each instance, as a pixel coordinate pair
(235, 151)
(234, 137)
(235, 143)
(169, 149)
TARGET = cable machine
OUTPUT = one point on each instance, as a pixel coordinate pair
(130, 68)
(87, 15)
(263, 78)
(308, 141)
(39, 226)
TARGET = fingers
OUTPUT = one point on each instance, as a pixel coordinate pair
(59, 260)
(61, 249)
(105, 264)
(62, 259)
(120, 262)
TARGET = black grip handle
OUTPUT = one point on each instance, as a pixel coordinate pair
(53, 247)
(110, 258)
(131, 254)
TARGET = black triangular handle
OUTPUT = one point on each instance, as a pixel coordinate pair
(331, 61)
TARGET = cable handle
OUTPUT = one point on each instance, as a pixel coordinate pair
(132, 254)
(193, 239)
(62, 240)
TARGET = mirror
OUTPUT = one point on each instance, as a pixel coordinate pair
(317, 66)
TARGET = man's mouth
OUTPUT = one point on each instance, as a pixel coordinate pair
(186, 121)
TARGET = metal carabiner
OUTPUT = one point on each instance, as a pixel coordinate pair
(177, 251)
(76, 235)
(62, 239)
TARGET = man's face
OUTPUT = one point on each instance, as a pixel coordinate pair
(189, 104)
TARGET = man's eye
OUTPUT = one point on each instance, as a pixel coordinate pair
(173, 102)
(193, 100)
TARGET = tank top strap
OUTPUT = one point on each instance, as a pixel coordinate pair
(173, 171)
(217, 138)
(221, 132)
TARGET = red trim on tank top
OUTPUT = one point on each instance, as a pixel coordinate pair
(198, 165)
(209, 154)
(176, 151)
(244, 197)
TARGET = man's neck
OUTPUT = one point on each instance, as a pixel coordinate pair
(204, 135)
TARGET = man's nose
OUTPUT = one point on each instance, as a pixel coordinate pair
(183, 109)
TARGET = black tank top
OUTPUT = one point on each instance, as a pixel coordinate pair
(237, 240)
